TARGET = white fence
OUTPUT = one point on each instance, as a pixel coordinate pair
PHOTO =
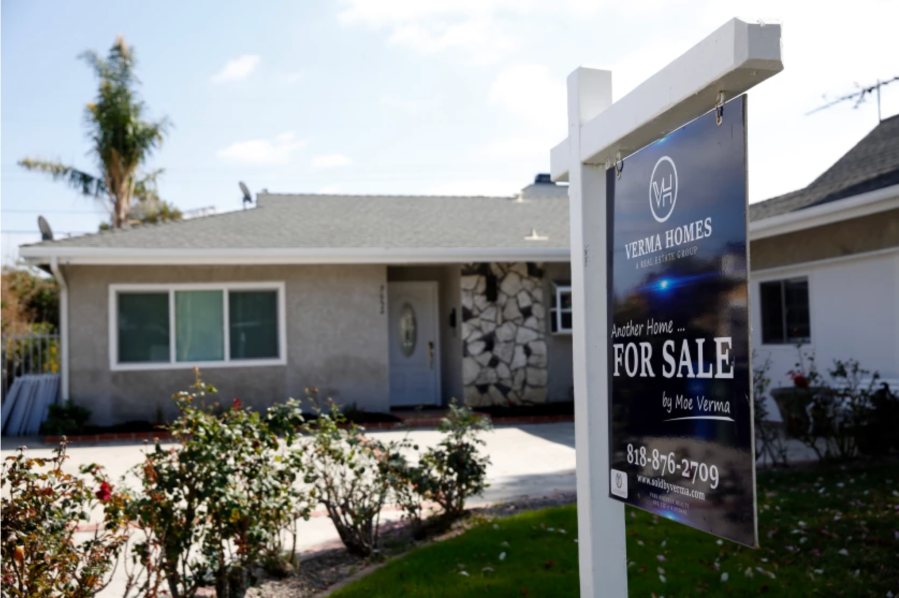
(27, 354)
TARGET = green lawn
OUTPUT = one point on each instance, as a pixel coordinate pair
(824, 532)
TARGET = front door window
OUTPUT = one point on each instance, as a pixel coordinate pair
(408, 330)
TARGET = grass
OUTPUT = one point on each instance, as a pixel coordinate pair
(823, 532)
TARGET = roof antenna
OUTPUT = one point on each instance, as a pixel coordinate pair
(247, 197)
(859, 96)
(46, 231)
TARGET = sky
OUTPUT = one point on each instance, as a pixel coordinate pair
(399, 96)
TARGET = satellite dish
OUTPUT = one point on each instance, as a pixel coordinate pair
(247, 197)
(46, 231)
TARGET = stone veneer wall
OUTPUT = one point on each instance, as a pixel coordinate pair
(503, 341)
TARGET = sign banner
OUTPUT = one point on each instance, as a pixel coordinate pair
(679, 358)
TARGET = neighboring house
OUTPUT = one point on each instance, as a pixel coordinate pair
(825, 264)
(388, 301)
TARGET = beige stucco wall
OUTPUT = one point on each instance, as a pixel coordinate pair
(447, 278)
(559, 350)
(336, 340)
(860, 235)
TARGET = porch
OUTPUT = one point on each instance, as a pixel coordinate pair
(488, 333)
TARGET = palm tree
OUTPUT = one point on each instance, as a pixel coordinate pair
(122, 143)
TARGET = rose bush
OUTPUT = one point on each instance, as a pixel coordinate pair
(840, 415)
(213, 508)
(447, 474)
(770, 439)
(341, 465)
(42, 509)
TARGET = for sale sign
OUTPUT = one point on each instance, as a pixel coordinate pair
(679, 359)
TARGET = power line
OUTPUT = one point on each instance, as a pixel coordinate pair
(52, 211)
(859, 97)
(37, 232)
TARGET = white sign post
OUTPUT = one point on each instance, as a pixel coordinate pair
(730, 61)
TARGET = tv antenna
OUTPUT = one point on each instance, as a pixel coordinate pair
(46, 231)
(859, 96)
(247, 197)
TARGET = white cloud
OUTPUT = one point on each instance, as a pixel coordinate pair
(483, 31)
(529, 91)
(262, 152)
(330, 161)
(483, 39)
(498, 187)
(408, 104)
(523, 149)
(331, 189)
(291, 78)
(237, 69)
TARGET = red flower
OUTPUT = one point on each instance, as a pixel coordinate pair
(105, 491)
(236, 404)
(799, 381)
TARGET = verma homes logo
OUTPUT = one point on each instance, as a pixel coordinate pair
(663, 189)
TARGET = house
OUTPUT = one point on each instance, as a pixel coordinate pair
(391, 301)
(825, 264)
(380, 301)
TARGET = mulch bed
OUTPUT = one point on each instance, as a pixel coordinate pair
(499, 412)
(322, 568)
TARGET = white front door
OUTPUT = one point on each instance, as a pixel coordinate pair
(414, 344)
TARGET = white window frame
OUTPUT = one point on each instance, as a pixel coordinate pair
(172, 364)
(557, 311)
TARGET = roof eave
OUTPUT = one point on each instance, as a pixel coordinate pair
(864, 204)
(165, 256)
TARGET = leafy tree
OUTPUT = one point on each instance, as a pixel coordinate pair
(28, 298)
(122, 141)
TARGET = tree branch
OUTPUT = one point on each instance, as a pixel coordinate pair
(86, 183)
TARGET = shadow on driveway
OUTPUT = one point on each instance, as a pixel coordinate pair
(560, 433)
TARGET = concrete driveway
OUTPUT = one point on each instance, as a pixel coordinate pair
(526, 459)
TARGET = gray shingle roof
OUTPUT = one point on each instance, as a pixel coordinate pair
(872, 164)
(411, 222)
(360, 221)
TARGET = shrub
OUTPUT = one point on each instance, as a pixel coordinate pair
(877, 436)
(68, 418)
(838, 416)
(404, 481)
(454, 470)
(212, 510)
(770, 442)
(42, 507)
(341, 464)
